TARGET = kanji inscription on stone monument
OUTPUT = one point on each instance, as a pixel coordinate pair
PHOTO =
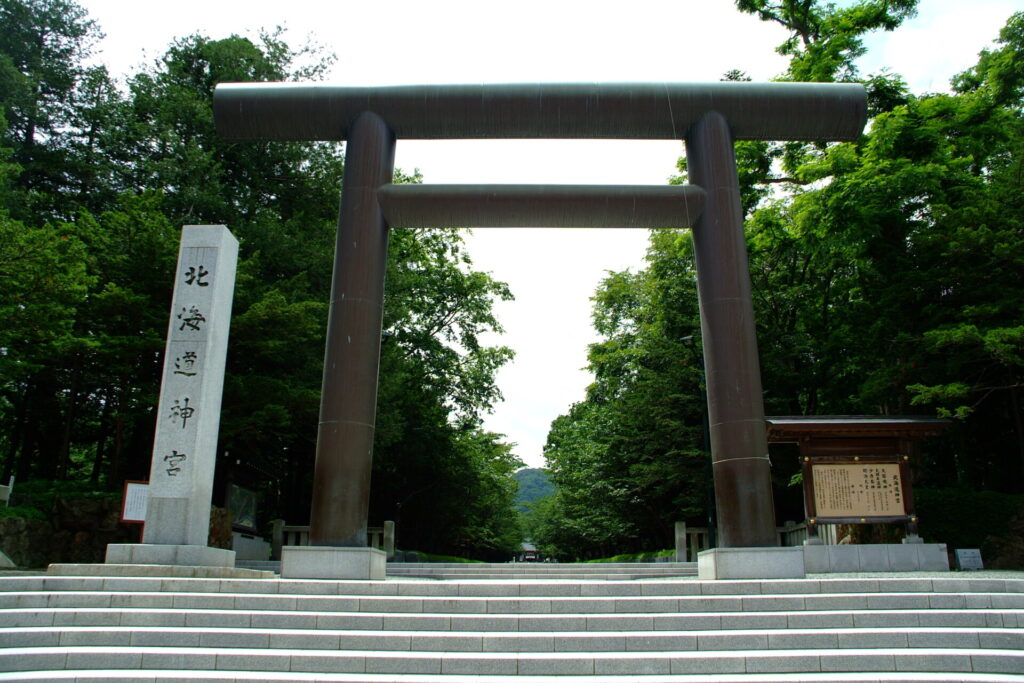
(188, 416)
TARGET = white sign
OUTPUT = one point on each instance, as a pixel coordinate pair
(136, 497)
(969, 559)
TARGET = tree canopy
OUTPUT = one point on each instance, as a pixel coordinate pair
(887, 279)
(96, 180)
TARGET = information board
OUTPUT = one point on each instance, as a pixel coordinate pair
(865, 489)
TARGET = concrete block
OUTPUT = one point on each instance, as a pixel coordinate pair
(331, 664)
(802, 640)
(217, 619)
(720, 604)
(14, 638)
(194, 660)
(368, 640)
(749, 620)
(820, 620)
(157, 618)
(632, 666)
(816, 559)
(944, 638)
(307, 587)
(535, 606)
(843, 558)
(536, 665)
(702, 663)
(559, 623)
(1002, 640)
(582, 606)
(31, 659)
(591, 642)
(418, 623)
(731, 587)
(325, 562)
(470, 622)
(360, 622)
(617, 589)
(883, 619)
(944, 662)
(161, 637)
(1008, 663)
(625, 623)
(103, 658)
(817, 603)
(239, 660)
(103, 637)
(416, 663)
(516, 643)
(226, 638)
(21, 618)
(735, 640)
(768, 663)
(638, 605)
(458, 605)
(304, 641)
(489, 590)
(898, 601)
(870, 639)
(750, 563)
(669, 642)
(876, 558)
(444, 642)
(154, 554)
(857, 661)
(97, 617)
(331, 603)
(459, 664)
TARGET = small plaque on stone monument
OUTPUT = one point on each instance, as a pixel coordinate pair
(968, 559)
(136, 497)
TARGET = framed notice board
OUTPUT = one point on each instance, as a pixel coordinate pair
(856, 469)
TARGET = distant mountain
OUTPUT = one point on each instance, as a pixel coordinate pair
(533, 485)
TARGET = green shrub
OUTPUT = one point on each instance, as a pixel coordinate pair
(22, 512)
(650, 556)
(967, 519)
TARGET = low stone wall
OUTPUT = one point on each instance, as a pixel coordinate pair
(78, 531)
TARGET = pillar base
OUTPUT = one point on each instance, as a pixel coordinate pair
(751, 563)
(879, 557)
(328, 562)
(153, 553)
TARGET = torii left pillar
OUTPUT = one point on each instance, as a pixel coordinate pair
(348, 403)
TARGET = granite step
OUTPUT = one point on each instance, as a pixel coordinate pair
(192, 676)
(676, 629)
(506, 623)
(257, 661)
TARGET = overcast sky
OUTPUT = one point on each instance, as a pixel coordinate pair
(552, 272)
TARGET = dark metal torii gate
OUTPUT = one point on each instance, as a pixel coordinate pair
(708, 116)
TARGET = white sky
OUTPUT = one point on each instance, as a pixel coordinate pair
(552, 272)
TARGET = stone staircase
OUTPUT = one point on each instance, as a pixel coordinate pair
(928, 628)
(607, 571)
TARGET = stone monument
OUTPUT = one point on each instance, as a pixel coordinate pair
(188, 416)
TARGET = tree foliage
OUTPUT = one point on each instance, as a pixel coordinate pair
(96, 181)
(887, 279)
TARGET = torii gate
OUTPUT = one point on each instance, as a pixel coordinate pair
(708, 116)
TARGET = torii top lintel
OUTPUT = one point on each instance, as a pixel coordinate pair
(644, 111)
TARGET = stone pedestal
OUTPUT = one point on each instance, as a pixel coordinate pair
(327, 562)
(882, 557)
(169, 554)
(751, 563)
